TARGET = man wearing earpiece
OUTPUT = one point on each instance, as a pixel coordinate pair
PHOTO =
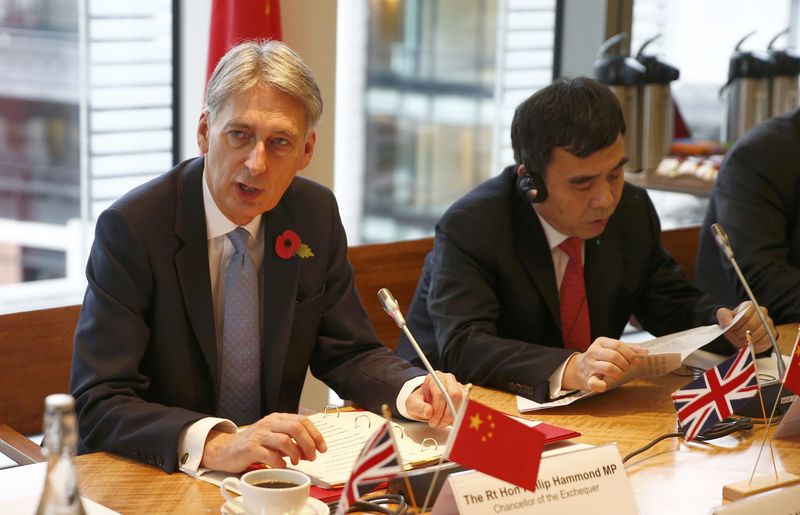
(535, 273)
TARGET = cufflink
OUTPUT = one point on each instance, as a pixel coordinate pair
(184, 458)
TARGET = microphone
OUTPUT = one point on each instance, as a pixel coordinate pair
(392, 308)
(721, 237)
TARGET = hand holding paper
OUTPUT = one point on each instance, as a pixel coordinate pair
(604, 361)
(739, 325)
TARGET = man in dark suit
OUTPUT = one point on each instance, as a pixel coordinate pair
(756, 198)
(153, 367)
(508, 304)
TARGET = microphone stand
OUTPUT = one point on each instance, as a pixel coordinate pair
(392, 308)
(771, 390)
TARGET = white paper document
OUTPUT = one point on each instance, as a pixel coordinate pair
(345, 434)
(666, 354)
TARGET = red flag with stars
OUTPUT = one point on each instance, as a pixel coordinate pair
(791, 381)
(494, 443)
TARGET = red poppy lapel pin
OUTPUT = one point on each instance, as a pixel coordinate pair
(288, 244)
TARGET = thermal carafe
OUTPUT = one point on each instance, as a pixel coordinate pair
(655, 108)
(746, 94)
(623, 74)
(783, 84)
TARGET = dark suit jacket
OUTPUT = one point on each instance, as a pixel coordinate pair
(493, 303)
(756, 198)
(145, 360)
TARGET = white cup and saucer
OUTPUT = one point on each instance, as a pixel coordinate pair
(271, 492)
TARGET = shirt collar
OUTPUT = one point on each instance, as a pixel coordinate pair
(217, 224)
(554, 237)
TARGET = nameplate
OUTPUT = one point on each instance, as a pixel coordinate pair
(790, 423)
(783, 501)
(589, 481)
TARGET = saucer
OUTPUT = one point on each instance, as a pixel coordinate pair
(313, 507)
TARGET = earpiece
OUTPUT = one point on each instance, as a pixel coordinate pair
(531, 186)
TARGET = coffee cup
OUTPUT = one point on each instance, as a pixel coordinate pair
(269, 491)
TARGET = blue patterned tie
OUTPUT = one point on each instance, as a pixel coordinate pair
(240, 382)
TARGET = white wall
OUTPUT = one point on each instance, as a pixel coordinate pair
(195, 16)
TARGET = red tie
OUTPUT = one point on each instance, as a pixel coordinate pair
(574, 307)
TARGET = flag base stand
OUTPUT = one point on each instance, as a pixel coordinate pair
(770, 391)
(741, 489)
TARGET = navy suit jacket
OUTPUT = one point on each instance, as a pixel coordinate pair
(145, 358)
(756, 198)
(487, 305)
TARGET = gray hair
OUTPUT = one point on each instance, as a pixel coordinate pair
(264, 63)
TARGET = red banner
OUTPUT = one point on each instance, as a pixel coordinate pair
(791, 380)
(233, 21)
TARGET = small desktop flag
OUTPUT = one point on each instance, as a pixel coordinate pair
(716, 394)
(495, 444)
(378, 461)
(791, 381)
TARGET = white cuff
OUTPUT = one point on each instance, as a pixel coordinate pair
(405, 392)
(557, 377)
(192, 441)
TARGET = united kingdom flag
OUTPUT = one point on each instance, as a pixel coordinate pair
(378, 461)
(716, 394)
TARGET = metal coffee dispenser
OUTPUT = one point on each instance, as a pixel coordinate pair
(746, 94)
(783, 84)
(623, 75)
(655, 107)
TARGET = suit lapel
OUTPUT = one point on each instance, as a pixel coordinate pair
(279, 286)
(533, 251)
(191, 262)
(599, 276)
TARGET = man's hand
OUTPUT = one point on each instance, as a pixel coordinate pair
(603, 361)
(737, 334)
(267, 441)
(427, 402)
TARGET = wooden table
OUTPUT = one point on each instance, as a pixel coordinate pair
(672, 477)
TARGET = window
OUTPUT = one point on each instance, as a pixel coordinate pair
(699, 38)
(424, 108)
(85, 115)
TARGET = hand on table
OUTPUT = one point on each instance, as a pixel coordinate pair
(266, 441)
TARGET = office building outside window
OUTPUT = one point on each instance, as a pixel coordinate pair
(425, 95)
(86, 95)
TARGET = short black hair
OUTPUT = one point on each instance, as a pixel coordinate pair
(580, 115)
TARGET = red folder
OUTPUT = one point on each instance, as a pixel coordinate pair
(555, 433)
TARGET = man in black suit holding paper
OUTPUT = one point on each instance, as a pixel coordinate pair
(168, 356)
(535, 273)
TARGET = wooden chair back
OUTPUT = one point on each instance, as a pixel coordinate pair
(682, 243)
(36, 346)
(35, 360)
(396, 266)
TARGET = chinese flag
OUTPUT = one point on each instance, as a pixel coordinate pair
(496, 444)
(233, 21)
(791, 381)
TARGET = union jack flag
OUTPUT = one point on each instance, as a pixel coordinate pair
(716, 394)
(378, 461)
